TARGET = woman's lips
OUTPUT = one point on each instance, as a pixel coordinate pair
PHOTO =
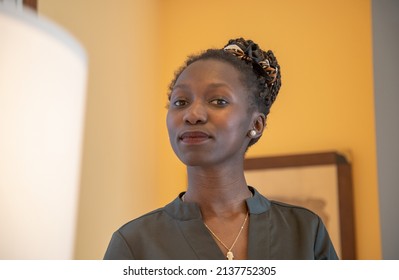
(194, 137)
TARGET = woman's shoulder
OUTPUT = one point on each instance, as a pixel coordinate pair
(285, 213)
(286, 207)
(263, 203)
(146, 220)
(162, 217)
(293, 215)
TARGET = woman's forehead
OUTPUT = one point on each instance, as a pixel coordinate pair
(212, 71)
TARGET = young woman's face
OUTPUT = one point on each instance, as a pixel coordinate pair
(209, 118)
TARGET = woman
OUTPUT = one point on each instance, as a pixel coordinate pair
(218, 104)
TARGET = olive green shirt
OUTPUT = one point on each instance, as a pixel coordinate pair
(176, 232)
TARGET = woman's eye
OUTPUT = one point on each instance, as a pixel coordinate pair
(180, 103)
(219, 102)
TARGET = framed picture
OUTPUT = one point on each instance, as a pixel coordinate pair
(321, 182)
(31, 4)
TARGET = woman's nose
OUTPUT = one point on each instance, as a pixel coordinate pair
(195, 113)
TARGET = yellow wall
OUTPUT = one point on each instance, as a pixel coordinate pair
(326, 102)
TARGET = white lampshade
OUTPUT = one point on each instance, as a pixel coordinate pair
(43, 73)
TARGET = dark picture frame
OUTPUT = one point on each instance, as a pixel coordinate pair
(31, 4)
(276, 166)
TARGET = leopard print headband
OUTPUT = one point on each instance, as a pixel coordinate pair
(261, 66)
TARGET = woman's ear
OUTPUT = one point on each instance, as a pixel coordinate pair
(259, 123)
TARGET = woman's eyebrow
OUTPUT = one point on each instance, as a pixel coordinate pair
(219, 85)
(211, 86)
(180, 86)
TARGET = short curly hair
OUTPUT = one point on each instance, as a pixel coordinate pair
(262, 83)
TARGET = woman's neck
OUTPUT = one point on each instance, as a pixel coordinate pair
(218, 192)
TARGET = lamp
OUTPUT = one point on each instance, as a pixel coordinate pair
(43, 73)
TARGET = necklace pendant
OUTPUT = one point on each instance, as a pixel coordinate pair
(230, 255)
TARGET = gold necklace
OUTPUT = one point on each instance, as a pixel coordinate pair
(229, 255)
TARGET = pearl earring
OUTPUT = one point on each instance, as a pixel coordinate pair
(252, 133)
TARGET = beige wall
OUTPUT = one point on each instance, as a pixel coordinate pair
(326, 102)
(118, 177)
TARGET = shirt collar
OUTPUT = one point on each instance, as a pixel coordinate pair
(185, 211)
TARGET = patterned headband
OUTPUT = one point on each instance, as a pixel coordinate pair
(262, 67)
